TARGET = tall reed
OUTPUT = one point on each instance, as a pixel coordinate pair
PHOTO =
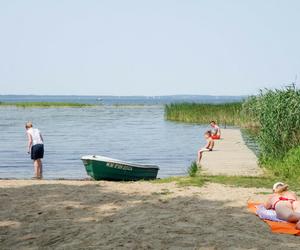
(277, 113)
(225, 114)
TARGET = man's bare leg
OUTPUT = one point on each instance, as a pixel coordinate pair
(40, 168)
(36, 167)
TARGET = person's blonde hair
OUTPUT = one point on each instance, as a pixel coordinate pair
(280, 187)
(28, 125)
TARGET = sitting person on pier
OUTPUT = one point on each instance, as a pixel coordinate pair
(215, 130)
(208, 147)
(285, 203)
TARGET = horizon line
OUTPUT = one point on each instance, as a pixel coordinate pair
(207, 95)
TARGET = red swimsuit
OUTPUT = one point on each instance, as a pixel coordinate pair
(282, 199)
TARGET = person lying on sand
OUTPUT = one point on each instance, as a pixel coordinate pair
(208, 147)
(215, 130)
(285, 203)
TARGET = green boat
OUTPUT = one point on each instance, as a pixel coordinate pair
(104, 168)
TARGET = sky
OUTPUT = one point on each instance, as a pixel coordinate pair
(155, 47)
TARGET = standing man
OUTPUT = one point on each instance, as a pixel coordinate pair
(215, 131)
(36, 149)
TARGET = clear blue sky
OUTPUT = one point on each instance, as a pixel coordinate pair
(154, 47)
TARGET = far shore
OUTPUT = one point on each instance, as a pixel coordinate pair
(74, 105)
(45, 104)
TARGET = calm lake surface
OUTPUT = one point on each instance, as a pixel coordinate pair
(132, 133)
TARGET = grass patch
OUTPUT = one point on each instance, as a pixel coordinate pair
(252, 182)
(193, 169)
(194, 178)
(181, 180)
(235, 181)
(166, 180)
(288, 167)
(45, 104)
(197, 181)
(242, 181)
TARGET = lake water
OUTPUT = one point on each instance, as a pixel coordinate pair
(132, 133)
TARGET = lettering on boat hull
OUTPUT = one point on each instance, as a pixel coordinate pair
(118, 166)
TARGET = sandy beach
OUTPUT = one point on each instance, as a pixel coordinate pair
(140, 215)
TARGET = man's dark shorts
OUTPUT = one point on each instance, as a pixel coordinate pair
(37, 152)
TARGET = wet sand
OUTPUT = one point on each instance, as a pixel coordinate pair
(140, 215)
(231, 156)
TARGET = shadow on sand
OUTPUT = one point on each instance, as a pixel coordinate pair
(59, 216)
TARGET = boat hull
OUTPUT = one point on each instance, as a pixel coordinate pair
(118, 171)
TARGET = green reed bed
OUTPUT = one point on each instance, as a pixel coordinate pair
(272, 118)
(44, 104)
(277, 114)
(225, 114)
